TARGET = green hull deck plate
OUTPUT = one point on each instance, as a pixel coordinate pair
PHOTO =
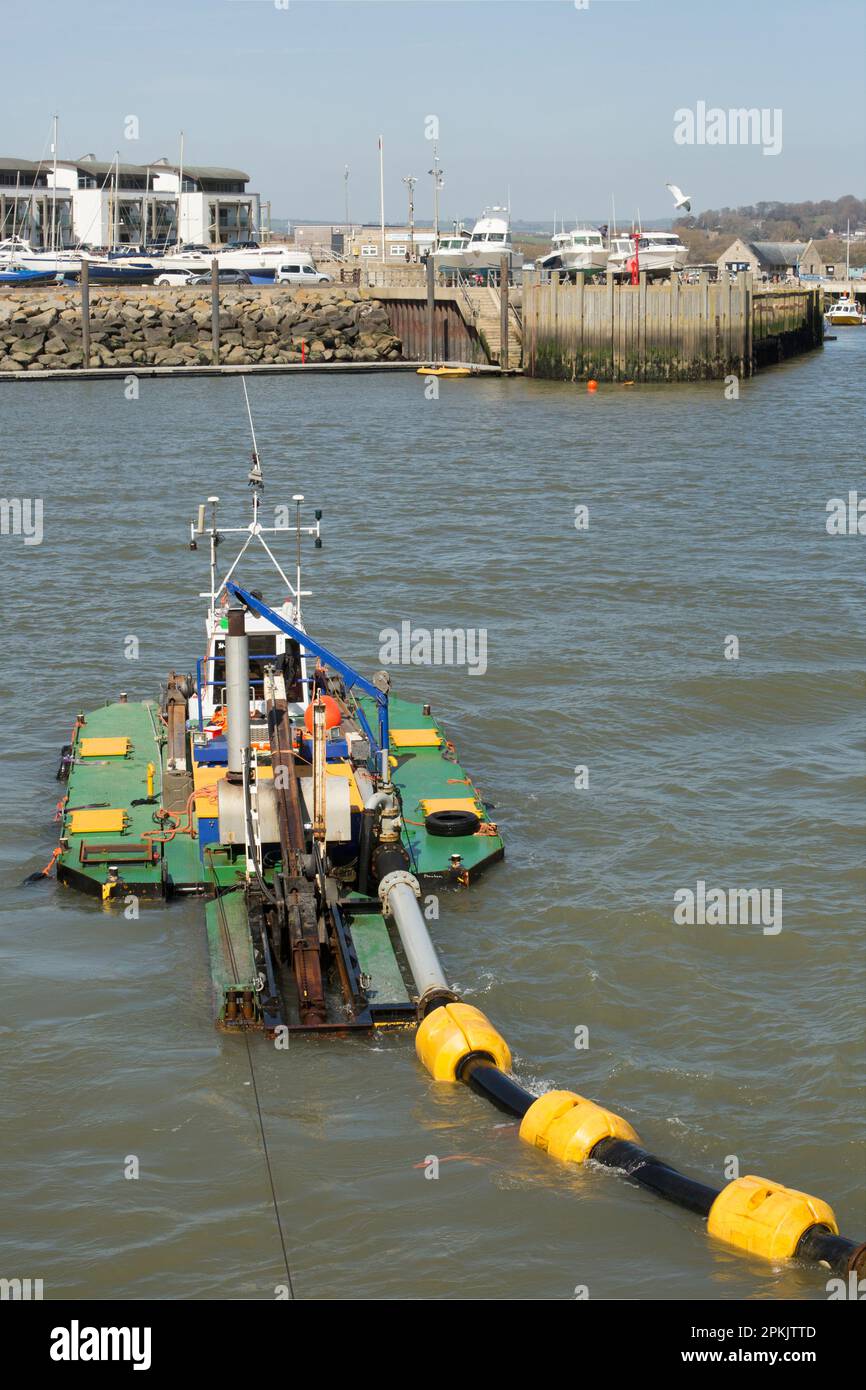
(232, 962)
(424, 774)
(376, 958)
(117, 783)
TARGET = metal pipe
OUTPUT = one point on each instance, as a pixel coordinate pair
(319, 773)
(399, 892)
(237, 691)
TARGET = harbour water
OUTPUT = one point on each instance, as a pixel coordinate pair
(606, 649)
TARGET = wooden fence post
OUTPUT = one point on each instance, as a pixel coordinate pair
(84, 281)
(215, 312)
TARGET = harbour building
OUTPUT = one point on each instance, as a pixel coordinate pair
(94, 203)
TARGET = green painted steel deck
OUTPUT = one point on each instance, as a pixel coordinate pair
(422, 774)
(115, 782)
(232, 962)
(372, 942)
(119, 782)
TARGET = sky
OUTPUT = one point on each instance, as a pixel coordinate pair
(557, 107)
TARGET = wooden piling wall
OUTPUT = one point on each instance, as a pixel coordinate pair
(664, 331)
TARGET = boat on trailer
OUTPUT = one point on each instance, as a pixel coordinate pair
(13, 274)
(307, 805)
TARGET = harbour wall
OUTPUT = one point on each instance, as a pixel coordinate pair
(664, 331)
(130, 326)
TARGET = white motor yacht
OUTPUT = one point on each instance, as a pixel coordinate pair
(490, 240)
(659, 254)
(582, 249)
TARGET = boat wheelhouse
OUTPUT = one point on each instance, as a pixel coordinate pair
(581, 249)
(448, 255)
(489, 241)
(845, 313)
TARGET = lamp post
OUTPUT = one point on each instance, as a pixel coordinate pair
(438, 182)
(410, 182)
(346, 191)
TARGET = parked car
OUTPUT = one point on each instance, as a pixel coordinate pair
(225, 277)
(297, 273)
(175, 277)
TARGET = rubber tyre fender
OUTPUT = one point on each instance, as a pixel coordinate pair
(452, 823)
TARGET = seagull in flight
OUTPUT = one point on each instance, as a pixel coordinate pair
(681, 199)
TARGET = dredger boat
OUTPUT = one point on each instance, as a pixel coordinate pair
(307, 804)
(310, 807)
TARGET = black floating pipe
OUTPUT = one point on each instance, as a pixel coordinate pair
(844, 1256)
(658, 1177)
(483, 1077)
(479, 1072)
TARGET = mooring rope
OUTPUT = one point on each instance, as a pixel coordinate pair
(268, 1166)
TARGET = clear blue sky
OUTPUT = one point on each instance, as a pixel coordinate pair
(562, 106)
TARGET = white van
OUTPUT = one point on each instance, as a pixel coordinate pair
(300, 273)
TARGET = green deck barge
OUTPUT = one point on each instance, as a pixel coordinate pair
(105, 782)
(130, 824)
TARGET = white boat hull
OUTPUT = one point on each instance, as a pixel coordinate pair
(473, 260)
(54, 262)
(589, 259)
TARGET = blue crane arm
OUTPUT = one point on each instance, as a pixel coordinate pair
(349, 674)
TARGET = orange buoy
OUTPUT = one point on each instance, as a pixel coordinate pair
(333, 714)
(592, 385)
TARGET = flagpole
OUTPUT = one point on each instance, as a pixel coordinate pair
(382, 193)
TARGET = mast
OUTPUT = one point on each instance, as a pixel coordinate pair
(15, 204)
(54, 192)
(114, 211)
(144, 208)
(382, 194)
(612, 216)
(180, 189)
(848, 251)
(253, 533)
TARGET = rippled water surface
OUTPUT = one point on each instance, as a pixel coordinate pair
(606, 649)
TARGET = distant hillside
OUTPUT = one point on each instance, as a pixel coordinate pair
(710, 233)
(780, 221)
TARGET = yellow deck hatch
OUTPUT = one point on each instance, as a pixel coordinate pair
(345, 770)
(449, 803)
(104, 747)
(109, 822)
(416, 738)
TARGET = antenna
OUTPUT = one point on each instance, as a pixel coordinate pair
(254, 533)
(255, 478)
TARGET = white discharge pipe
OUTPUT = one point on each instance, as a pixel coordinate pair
(399, 892)
(237, 691)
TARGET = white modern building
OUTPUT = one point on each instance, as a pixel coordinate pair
(102, 204)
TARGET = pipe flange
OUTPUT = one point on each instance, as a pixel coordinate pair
(391, 880)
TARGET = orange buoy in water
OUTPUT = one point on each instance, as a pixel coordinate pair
(592, 385)
(333, 715)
